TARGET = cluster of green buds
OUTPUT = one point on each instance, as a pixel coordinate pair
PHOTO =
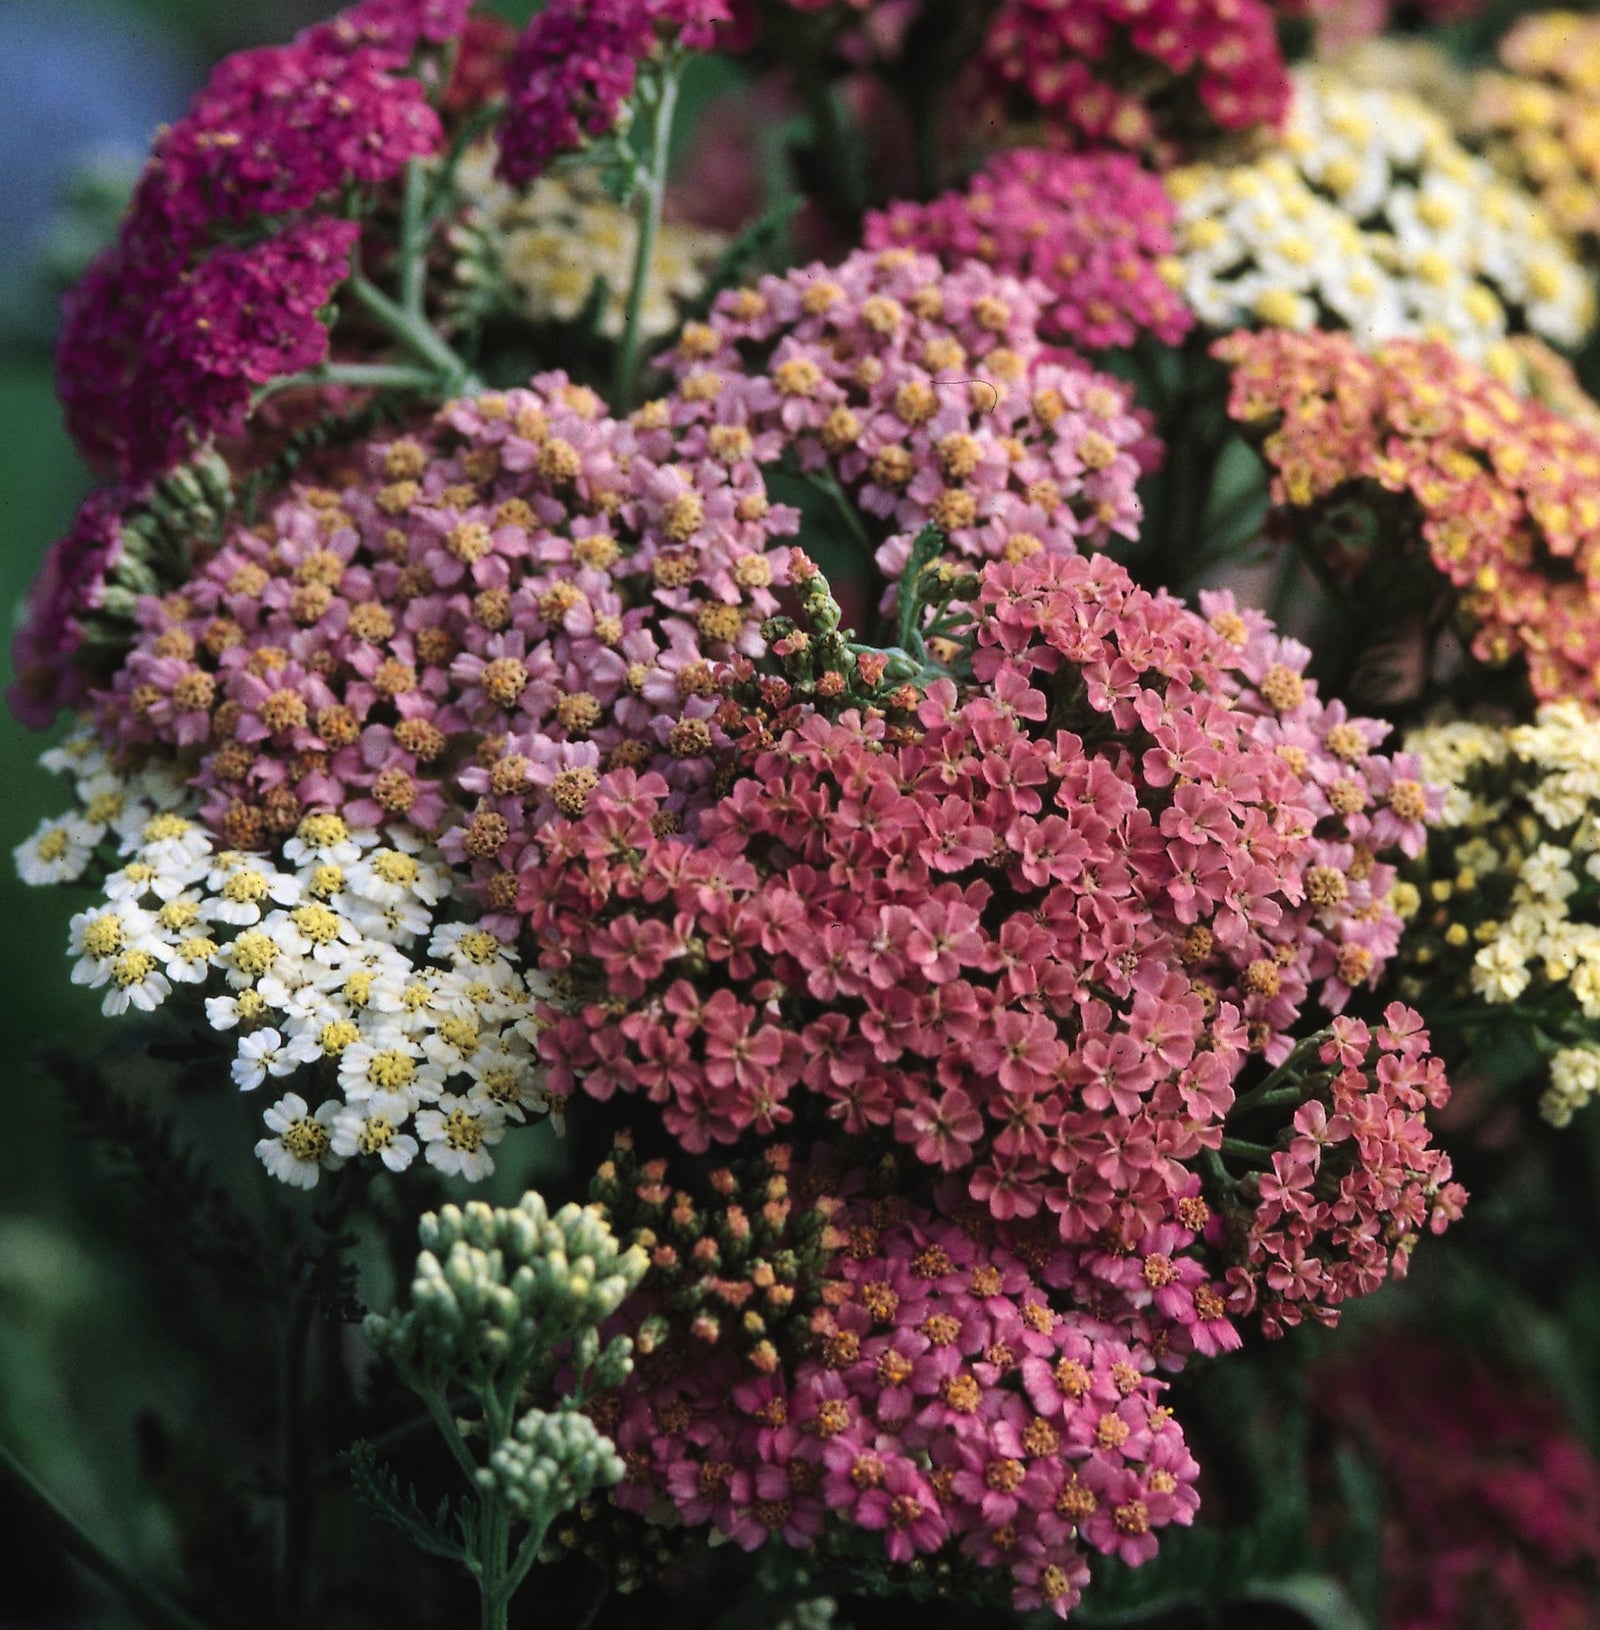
(504, 1321)
(816, 663)
(181, 518)
(742, 1265)
(551, 1462)
(504, 1294)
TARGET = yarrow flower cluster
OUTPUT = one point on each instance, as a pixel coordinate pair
(1507, 903)
(1455, 468)
(576, 66)
(1040, 937)
(926, 396)
(1493, 1499)
(156, 355)
(936, 1405)
(347, 964)
(1086, 68)
(1094, 228)
(1372, 218)
(457, 643)
(552, 246)
(1540, 120)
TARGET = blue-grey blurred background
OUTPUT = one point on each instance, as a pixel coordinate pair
(86, 1363)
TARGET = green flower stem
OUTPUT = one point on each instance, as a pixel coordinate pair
(1242, 1149)
(413, 241)
(452, 376)
(144, 1601)
(375, 376)
(653, 195)
(1269, 1088)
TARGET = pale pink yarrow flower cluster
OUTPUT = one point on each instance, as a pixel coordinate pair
(927, 395)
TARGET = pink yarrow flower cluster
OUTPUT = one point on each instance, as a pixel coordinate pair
(576, 65)
(927, 396)
(1092, 228)
(464, 638)
(1150, 75)
(940, 1402)
(145, 374)
(1034, 943)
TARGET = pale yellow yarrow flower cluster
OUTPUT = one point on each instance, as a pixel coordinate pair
(1507, 908)
(1540, 120)
(1370, 216)
(551, 244)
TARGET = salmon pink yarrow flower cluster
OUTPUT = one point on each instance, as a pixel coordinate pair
(1034, 944)
(1498, 492)
(1093, 228)
(463, 638)
(941, 1401)
(1137, 74)
(925, 394)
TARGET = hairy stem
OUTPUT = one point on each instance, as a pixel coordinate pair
(451, 373)
(653, 197)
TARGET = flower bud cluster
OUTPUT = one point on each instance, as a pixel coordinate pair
(80, 614)
(733, 1265)
(512, 1291)
(552, 1462)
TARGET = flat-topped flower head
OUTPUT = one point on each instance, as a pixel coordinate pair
(1498, 491)
(1500, 903)
(1094, 228)
(1032, 940)
(576, 65)
(1372, 218)
(1540, 118)
(1151, 77)
(458, 643)
(948, 1398)
(153, 359)
(926, 395)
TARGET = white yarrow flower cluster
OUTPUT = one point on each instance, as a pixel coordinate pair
(338, 959)
(1370, 216)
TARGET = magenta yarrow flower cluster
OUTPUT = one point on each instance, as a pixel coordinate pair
(1085, 67)
(69, 588)
(940, 1402)
(1033, 944)
(1093, 228)
(498, 610)
(926, 395)
(149, 365)
(577, 65)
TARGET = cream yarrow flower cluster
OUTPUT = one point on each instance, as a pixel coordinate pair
(335, 961)
(1371, 217)
(562, 243)
(1506, 903)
